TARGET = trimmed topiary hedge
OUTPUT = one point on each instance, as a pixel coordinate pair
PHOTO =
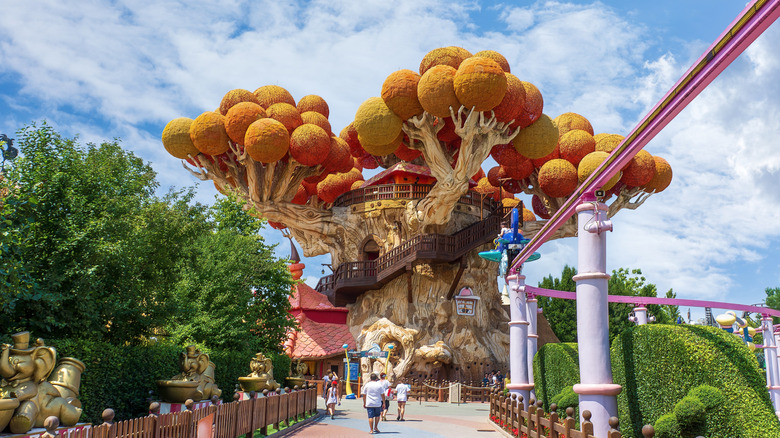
(120, 377)
(658, 365)
(556, 367)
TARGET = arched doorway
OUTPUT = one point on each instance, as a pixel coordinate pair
(370, 250)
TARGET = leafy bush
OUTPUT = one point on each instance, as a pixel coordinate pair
(120, 377)
(667, 427)
(690, 415)
(684, 357)
(556, 366)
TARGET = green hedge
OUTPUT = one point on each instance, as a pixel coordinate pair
(658, 365)
(120, 377)
(556, 367)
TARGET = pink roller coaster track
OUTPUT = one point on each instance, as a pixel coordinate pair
(642, 301)
(756, 17)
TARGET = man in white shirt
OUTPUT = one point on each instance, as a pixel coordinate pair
(385, 386)
(373, 400)
(402, 392)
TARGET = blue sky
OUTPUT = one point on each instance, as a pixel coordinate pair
(123, 69)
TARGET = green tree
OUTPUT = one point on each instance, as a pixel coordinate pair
(233, 292)
(561, 313)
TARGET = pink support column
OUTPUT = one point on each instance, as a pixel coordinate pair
(596, 390)
(531, 308)
(770, 357)
(518, 338)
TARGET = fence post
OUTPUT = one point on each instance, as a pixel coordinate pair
(570, 422)
(553, 420)
(614, 425)
(537, 418)
(586, 426)
(531, 416)
(648, 431)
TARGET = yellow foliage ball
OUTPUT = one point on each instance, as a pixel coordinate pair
(538, 139)
(510, 202)
(208, 133)
(267, 140)
(558, 178)
(662, 177)
(495, 56)
(233, 97)
(176, 138)
(315, 103)
(436, 91)
(484, 187)
(356, 185)
(375, 123)
(569, 121)
(640, 170)
(239, 117)
(608, 142)
(399, 91)
(528, 215)
(600, 136)
(318, 119)
(287, 114)
(381, 150)
(575, 144)
(451, 56)
(480, 83)
(589, 164)
(270, 94)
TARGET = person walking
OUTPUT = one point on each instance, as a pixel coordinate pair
(385, 389)
(402, 394)
(333, 398)
(326, 384)
(373, 400)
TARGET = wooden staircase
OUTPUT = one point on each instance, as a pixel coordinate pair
(349, 280)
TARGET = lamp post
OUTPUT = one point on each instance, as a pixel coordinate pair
(389, 353)
(350, 395)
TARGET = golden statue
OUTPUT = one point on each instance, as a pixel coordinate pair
(26, 397)
(297, 370)
(196, 380)
(262, 376)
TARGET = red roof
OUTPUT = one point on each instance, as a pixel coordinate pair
(323, 329)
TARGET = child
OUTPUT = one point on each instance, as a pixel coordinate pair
(333, 398)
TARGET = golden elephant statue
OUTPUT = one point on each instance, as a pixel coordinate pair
(196, 380)
(26, 397)
(261, 377)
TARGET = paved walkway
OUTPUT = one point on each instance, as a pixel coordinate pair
(426, 419)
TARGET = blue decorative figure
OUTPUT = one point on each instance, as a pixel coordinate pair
(508, 244)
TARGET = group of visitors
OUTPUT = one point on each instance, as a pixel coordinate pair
(331, 393)
(377, 395)
(494, 379)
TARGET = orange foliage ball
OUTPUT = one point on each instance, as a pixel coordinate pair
(309, 144)
(301, 196)
(234, 97)
(510, 202)
(538, 139)
(339, 159)
(539, 208)
(406, 154)
(589, 164)
(318, 119)
(267, 140)
(495, 56)
(521, 171)
(208, 134)
(528, 215)
(511, 107)
(350, 135)
(479, 175)
(662, 177)
(575, 144)
(558, 178)
(287, 114)
(451, 56)
(484, 187)
(356, 185)
(532, 108)
(506, 155)
(176, 138)
(480, 83)
(570, 121)
(640, 170)
(436, 91)
(493, 176)
(399, 91)
(239, 117)
(270, 94)
(447, 132)
(315, 103)
(330, 188)
(609, 142)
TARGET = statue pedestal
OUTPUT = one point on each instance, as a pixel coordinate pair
(167, 408)
(62, 432)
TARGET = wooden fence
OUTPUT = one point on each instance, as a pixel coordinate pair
(230, 420)
(510, 414)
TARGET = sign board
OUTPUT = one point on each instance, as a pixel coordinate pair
(466, 302)
(372, 354)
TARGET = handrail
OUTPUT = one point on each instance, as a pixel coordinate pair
(386, 192)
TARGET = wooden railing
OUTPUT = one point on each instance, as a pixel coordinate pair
(230, 420)
(510, 414)
(388, 192)
(368, 275)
